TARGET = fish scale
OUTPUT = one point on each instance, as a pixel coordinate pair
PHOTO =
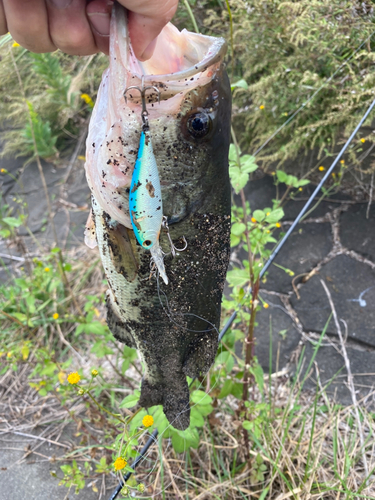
(173, 327)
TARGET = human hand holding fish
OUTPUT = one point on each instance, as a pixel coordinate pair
(81, 27)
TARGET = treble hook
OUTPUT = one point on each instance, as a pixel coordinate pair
(142, 91)
(174, 249)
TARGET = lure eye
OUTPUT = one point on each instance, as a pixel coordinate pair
(199, 125)
(146, 243)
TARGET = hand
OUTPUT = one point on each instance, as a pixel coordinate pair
(81, 27)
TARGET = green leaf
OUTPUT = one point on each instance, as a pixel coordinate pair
(95, 328)
(303, 182)
(233, 153)
(248, 425)
(4, 233)
(225, 358)
(248, 164)
(238, 277)
(234, 240)
(12, 221)
(196, 418)
(130, 400)
(178, 443)
(275, 216)
(257, 371)
(226, 389)
(204, 410)
(200, 397)
(241, 83)
(281, 176)
(259, 215)
(238, 178)
(238, 228)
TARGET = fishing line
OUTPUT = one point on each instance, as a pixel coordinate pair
(262, 272)
(168, 312)
(312, 97)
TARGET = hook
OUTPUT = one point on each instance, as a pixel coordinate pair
(174, 249)
(142, 89)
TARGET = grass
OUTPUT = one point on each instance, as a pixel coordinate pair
(301, 443)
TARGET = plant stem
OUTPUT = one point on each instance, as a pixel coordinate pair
(249, 341)
(107, 411)
(231, 34)
(192, 17)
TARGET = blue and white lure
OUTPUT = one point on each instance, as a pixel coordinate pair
(145, 201)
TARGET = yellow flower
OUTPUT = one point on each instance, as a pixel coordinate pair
(261, 107)
(253, 220)
(55, 316)
(74, 378)
(94, 373)
(62, 377)
(265, 305)
(81, 157)
(363, 140)
(300, 189)
(9, 354)
(268, 213)
(46, 269)
(321, 168)
(15, 44)
(285, 114)
(3, 171)
(148, 421)
(342, 162)
(278, 224)
(120, 463)
(97, 313)
(87, 99)
(333, 175)
(291, 273)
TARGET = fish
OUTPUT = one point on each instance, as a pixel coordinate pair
(173, 326)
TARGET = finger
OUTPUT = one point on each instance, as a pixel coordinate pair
(28, 24)
(3, 21)
(69, 27)
(146, 20)
(99, 16)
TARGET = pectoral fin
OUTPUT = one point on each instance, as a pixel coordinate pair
(122, 249)
(90, 233)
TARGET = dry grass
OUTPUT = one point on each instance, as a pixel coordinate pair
(303, 445)
(308, 446)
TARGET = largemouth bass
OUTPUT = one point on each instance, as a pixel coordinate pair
(173, 326)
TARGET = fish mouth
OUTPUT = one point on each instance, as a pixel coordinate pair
(181, 60)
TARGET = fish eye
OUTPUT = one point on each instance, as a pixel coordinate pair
(199, 125)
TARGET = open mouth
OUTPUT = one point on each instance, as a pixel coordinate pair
(180, 57)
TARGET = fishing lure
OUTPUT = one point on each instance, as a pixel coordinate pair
(145, 201)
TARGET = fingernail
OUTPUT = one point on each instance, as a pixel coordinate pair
(61, 4)
(149, 50)
(100, 22)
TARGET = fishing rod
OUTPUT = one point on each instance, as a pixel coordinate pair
(270, 260)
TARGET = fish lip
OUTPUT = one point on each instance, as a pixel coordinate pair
(215, 55)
